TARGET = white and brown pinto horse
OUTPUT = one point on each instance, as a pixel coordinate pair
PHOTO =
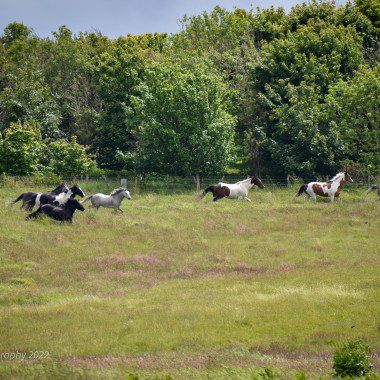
(329, 189)
(238, 190)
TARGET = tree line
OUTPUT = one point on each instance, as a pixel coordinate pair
(254, 91)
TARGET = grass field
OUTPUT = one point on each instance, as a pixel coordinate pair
(190, 288)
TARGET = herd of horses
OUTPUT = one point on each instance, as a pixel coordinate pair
(60, 203)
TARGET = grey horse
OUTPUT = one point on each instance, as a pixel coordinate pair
(110, 201)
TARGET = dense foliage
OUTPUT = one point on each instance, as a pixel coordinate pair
(185, 128)
(352, 360)
(260, 91)
(24, 152)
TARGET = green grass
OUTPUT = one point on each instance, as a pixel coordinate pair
(189, 287)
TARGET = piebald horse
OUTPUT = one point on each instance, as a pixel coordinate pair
(238, 190)
(29, 198)
(329, 189)
(60, 199)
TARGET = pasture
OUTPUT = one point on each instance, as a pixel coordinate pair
(190, 288)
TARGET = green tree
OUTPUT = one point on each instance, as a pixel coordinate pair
(302, 141)
(293, 79)
(20, 149)
(26, 96)
(71, 77)
(371, 9)
(185, 128)
(353, 108)
(15, 31)
(120, 71)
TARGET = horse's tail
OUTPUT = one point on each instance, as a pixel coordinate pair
(210, 188)
(86, 199)
(18, 199)
(302, 190)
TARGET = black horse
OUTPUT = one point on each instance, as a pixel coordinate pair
(29, 198)
(62, 213)
(61, 198)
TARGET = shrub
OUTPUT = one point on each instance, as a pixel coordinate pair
(68, 158)
(20, 149)
(352, 359)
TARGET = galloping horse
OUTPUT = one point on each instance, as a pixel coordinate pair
(330, 188)
(29, 198)
(111, 201)
(237, 190)
(60, 199)
(63, 214)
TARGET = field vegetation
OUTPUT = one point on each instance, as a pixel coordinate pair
(262, 91)
(186, 287)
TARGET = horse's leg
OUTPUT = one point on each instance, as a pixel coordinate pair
(120, 209)
(332, 198)
(34, 214)
(29, 206)
(247, 199)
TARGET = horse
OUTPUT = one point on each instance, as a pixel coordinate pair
(237, 190)
(330, 188)
(111, 201)
(61, 213)
(60, 199)
(29, 198)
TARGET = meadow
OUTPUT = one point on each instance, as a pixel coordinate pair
(184, 287)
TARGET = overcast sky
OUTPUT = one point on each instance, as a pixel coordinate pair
(115, 17)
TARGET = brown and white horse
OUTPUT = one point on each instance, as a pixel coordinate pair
(330, 189)
(237, 190)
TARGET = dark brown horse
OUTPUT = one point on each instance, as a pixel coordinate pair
(62, 213)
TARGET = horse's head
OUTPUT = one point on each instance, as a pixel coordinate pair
(127, 194)
(76, 204)
(257, 181)
(347, 177)
(62, 188)
(76, 190)
(121, 191)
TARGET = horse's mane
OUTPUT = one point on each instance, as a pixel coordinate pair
(244, 180)
(118, 190)
(337, 176)
(62, 185)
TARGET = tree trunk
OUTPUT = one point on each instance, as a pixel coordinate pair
(256, 160)
(197, 182)
(136, 185)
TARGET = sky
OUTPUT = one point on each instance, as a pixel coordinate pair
(115, 17)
